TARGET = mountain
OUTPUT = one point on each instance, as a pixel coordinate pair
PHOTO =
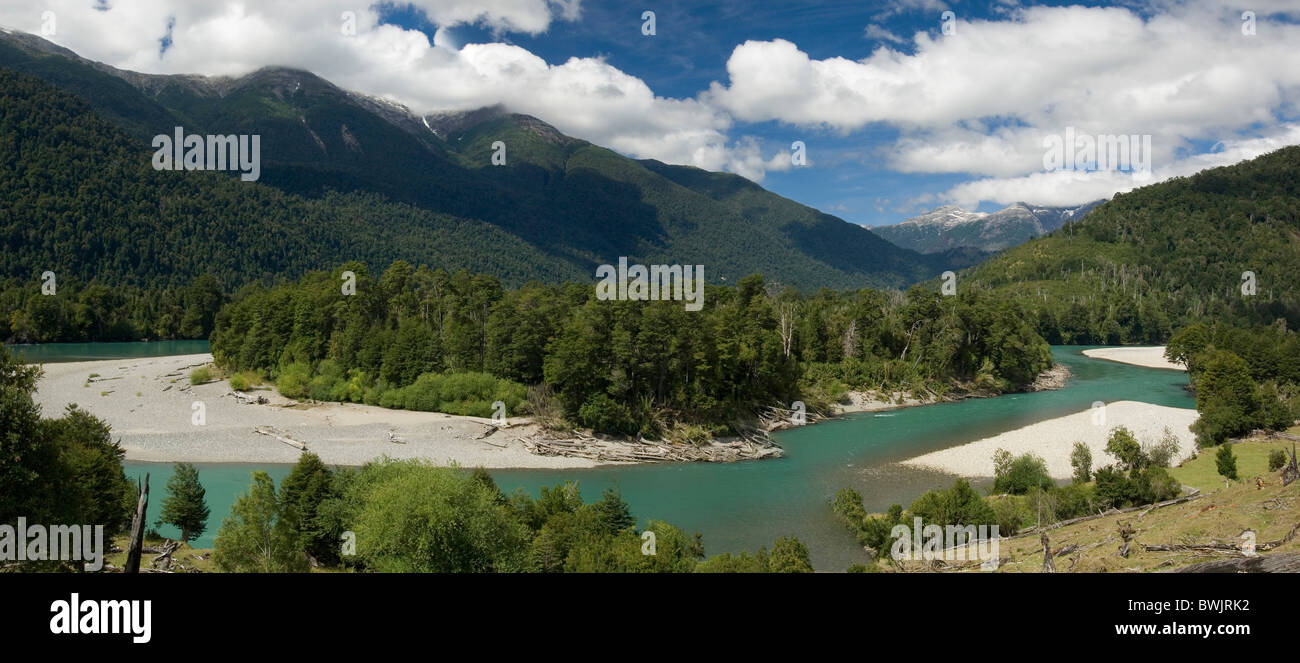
(1223, 244)
(559, 206)
(950, 227)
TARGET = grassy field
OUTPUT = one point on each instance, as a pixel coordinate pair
(186, 559)
(1252, 460)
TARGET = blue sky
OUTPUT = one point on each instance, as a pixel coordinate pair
(898, 114)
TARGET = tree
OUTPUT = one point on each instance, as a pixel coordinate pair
(184, 507)
(1226, 462)
(259, 535)
(1226, 397)
(1185, 345)
(1126, 449)
(1021, 474)
(306, 486)
(789, 555)
(1081, 461)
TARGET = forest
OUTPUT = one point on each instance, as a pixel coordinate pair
(423, 338)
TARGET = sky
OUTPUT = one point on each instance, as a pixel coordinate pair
(899, 106)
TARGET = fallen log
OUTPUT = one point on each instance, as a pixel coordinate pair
(1277, 563)
(271, 432)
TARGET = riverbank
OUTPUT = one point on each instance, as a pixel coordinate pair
(1149, 357)
(154, 412)
(876, 401)
(1054, 439)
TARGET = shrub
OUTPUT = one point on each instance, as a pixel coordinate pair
(607, 415)
(200, 375)
(1226, 462)
(293, 380)
(1277, 458)
(1021, 474)
(1163, 452)
(1010, 514)
(238, 382)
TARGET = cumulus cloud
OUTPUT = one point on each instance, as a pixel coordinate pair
(1066, 187)
(982, 100)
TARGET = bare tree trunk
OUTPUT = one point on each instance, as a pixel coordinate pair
(1048, 565)
(137, 529)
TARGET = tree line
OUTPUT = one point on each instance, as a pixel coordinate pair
(423, 338)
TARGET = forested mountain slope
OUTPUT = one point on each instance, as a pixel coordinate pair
(1164, 255)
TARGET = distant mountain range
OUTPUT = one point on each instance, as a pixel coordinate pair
(950, 227)
(345, 176)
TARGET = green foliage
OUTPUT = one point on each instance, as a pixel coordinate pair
(414, 517)
(1277, 459)
(1163, 452)
(185, 507)
(959, 505)
(420, 338)
(789, 555)
(1081, 461)
(65, 470)
(261, 533)
(1126, 274)
(1126, 449)
(1226, 462)
(309, 484)
(1020, 475)
(200, 375)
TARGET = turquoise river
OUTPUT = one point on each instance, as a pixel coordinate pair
(742, 506)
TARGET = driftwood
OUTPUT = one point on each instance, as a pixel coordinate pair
(1280, 563)
(491, 428)
(642, 450)
(245, 399)
(165, 556)
(271, 432)
(137, 529)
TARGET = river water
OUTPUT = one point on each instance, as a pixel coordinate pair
(742, 506)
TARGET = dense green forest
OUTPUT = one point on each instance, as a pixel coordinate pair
(426, 339)
(1165, 256)
(97, 312)
(1244, 378)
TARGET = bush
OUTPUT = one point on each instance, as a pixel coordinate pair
(200, 375)
(1277, 458)
(1226, 462)
(1021, 474)
(293, 380)
(1163, 452)
(238, 382)
(1010, 514)
(607, 415)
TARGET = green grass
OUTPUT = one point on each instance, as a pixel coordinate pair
(200, 375)
(1252, 460)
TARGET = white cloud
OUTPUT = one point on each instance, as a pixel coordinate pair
(981, 101)
(1075, 187)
